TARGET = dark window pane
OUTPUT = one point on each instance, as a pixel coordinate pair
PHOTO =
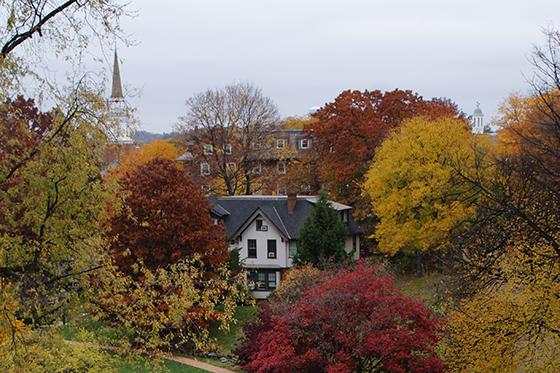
(272, 279)
(271, 246)
(252, 248)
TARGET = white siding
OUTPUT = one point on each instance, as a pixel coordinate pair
(349, 246)
(262, 254)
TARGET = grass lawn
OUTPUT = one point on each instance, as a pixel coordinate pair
(228, 340)
(172, 367)
(420, 288)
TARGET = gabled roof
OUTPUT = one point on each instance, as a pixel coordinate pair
(241, 210)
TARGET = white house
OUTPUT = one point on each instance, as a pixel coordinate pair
(265, 230)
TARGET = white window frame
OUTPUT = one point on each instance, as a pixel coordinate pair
(257, 169)
(207, 149)
(205, 169)
(304, 141)
(280, 141)
(284, 168)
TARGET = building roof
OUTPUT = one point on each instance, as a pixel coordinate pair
(237, 210)
(477, 112)
(116, 91)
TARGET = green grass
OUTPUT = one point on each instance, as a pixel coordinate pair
(172, 367)
(228, 340)
(421, 288)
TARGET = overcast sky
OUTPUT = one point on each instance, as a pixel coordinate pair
(303, 53)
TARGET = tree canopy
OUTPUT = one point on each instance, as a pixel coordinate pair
(164, 217)
(348, 130)
(415, 189)
(354, 320)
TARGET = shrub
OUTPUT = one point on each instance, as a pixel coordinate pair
(354, 320)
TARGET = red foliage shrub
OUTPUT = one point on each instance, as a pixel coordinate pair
(164, 218)
(356, 321)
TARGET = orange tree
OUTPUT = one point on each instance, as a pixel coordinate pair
(156, 149)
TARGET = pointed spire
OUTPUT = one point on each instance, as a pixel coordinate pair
(117, 91)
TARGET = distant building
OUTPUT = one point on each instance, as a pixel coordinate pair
(269, 160)
(119, 131)
(122, 132)
(266, 229)
(477, 121)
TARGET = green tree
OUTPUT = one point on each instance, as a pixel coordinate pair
(322, 236)
(52, 203)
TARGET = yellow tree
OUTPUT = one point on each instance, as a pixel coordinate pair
(414, 187)
(156, 149)
(515, 324)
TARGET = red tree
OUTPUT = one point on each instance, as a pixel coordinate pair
(355, 321)
(164, 218)
(23, 127)
(350, 128)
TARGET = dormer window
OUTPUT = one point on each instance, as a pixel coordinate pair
(304, 144)
(208, 149)
(261, 226)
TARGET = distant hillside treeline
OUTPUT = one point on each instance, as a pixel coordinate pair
(144, 137)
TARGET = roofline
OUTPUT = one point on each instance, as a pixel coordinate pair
(311, 199)
(252, 217)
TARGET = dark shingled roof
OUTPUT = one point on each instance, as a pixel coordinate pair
(236, 210)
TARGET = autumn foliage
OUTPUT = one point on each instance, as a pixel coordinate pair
(348, 130)
(355, 320)
(142, 155)
(164, 218)
(416, 184)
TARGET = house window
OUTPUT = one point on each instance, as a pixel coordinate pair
(231, 166)
(304, 144)
(204, 169)
(271, 249)
(280, 143)
(215, 221)
(227, 149)
(208, 149)
(281, 167)
(264, 280)
(257, 169)
(251, 248)
(293, 249)
(271, 279)
(261, 226)
(306, 188)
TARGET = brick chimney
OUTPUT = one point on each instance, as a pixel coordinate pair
(292, 200)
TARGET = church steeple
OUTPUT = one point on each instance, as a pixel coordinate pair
(117, 91)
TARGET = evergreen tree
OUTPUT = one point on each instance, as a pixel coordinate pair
(322, 236)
